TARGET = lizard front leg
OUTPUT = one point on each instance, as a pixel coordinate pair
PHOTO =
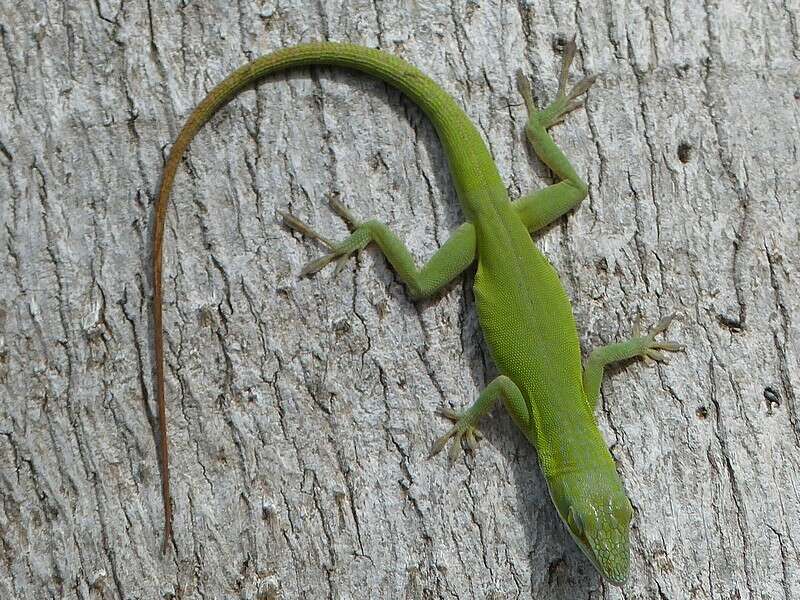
(449, 261)
(638, 346)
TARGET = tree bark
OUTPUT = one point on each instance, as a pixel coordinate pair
(301, 410)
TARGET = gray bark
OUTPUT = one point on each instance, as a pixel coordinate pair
(301, 410)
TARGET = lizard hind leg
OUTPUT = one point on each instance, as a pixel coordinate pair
(457, 253)
(339, 252)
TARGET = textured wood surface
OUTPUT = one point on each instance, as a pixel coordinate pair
(301, 410)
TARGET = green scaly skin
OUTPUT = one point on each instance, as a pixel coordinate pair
(524, 312)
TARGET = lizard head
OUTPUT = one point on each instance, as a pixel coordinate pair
(597, 514)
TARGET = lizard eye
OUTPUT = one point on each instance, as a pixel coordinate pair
(574, 521)
(627, 511)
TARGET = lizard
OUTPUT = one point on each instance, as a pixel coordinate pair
(523, 309)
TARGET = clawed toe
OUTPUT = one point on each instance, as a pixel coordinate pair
(302, 228)
(565, 102)
(345, 214)
(455, 447)
(448, 413)
(468, 433)
(581, 88)
(669, 346)
(569, 55)
(652, 352)
(316, 265)
(662, 325)
(339, 252)
(439, 444)
(471, 438)
(524, 89)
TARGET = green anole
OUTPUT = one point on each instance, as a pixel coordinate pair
(523, 309)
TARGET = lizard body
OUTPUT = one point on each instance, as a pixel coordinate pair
(523, 309)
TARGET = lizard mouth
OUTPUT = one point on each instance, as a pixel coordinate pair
(606, 548)
(610, 556)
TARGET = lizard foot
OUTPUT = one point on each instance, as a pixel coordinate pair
(339, 252)
(651, 349)
(565, 102)
(462, 430)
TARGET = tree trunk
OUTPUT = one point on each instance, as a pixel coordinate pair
(301, 410)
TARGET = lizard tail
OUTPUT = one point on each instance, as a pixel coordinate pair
(474, 172)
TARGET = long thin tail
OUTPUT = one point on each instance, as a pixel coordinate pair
(472, 167)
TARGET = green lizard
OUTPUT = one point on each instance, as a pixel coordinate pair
(523, 309)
